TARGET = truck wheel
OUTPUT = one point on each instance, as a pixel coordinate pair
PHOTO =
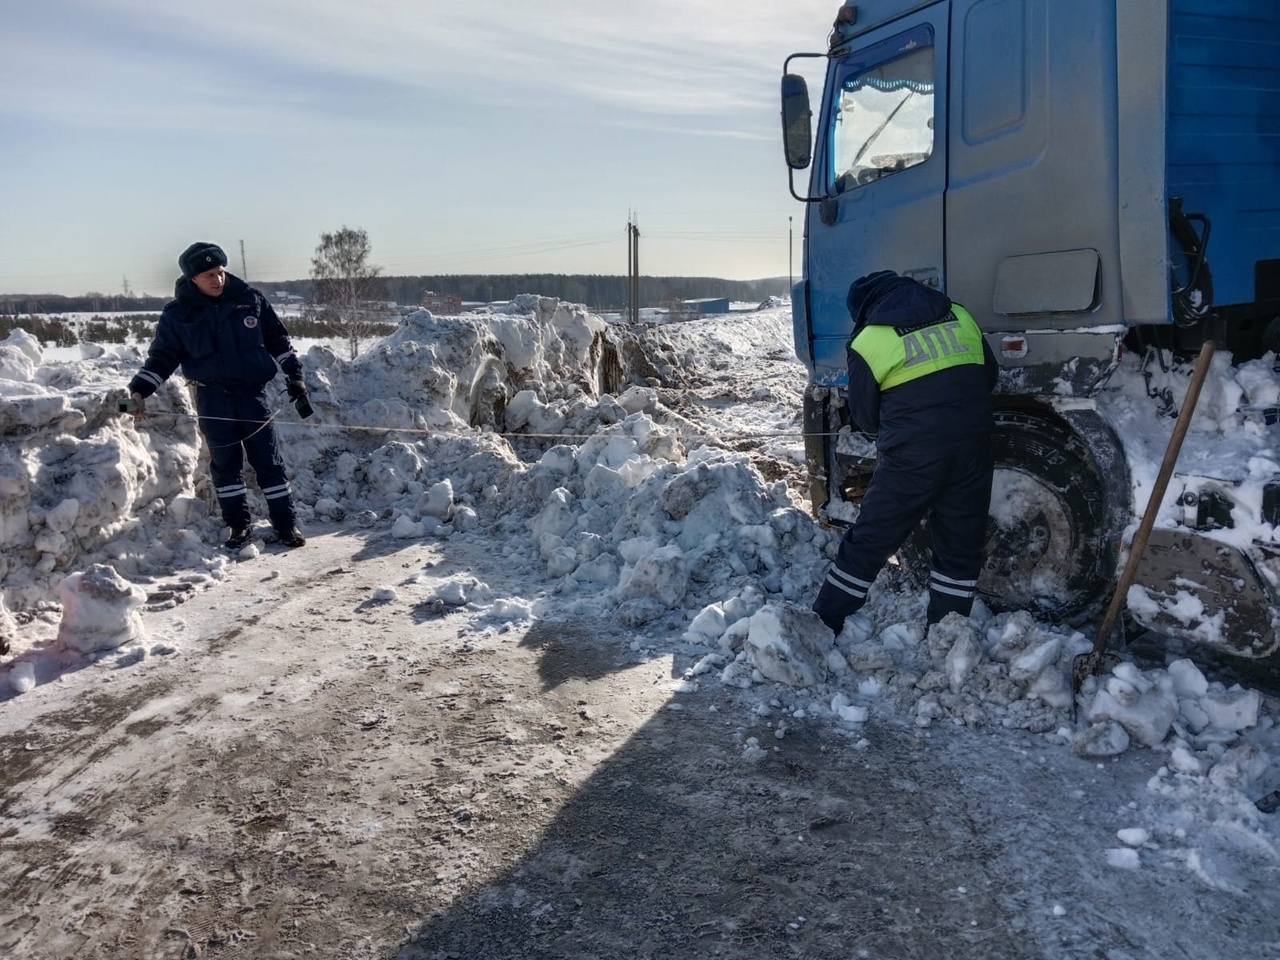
(1058, 504)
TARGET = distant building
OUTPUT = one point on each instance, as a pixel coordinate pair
(286, 298)
(446, 304)
(703, 306)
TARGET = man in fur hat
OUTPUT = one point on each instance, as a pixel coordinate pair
(230, 344)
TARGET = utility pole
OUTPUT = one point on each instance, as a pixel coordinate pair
(791, 274)
(244, 270)
(633, 270)
(635, 229)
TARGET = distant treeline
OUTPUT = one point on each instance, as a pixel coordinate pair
(17, 304)
(596, 291)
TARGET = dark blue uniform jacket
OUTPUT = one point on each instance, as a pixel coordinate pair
(947, 407)
(234, 341)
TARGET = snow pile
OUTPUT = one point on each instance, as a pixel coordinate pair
(83, 484)
(1229, 438)
(1230, 456)
(1008, 671)
(452, 373)
(627, 510)
(80, 485)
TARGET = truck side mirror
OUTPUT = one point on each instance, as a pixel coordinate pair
(797, 132)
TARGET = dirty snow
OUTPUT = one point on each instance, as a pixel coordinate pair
(550, 434)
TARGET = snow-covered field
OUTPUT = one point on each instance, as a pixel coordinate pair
(652, 477)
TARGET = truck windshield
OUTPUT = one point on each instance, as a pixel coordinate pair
(883, 112)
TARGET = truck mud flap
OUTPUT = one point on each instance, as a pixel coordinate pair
(815, 447)
(1206, 593)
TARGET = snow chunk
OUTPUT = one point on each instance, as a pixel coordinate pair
(848, 712)
(1188, 681)
(22, 676)
(99, 610)
(788, 644)
(438, 501)
(1183, 761)
(1035, 659)
(663, 575)
(1123, 858)
(964, 655)
(1240, 767)
(1146, 716)
(709, 623)
(1234, 709)
(1106, 739)
(1133, 836)
(407, 529)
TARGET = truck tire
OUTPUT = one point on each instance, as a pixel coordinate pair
(1059, 501)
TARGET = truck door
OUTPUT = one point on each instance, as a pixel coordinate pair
(1035, 214)
(881, 164)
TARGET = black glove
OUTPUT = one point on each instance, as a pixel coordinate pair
(298, 394)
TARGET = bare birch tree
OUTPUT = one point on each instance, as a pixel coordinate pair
(347, 284)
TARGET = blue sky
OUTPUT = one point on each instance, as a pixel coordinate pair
(467, 136)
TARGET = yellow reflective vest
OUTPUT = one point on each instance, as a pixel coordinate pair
(896, 356)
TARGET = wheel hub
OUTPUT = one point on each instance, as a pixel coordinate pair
(1031, 542)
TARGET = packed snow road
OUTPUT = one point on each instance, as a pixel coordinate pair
(319, 773)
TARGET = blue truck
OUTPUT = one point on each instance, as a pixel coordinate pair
(1093, 180)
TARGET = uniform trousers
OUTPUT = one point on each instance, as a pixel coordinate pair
(949, 486)
(236, 424)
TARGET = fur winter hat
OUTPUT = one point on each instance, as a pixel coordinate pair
(201, 256)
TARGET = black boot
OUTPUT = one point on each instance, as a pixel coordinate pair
(291, 536)
(239, 537)
(834, 603)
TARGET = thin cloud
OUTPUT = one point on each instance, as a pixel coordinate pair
(284, 64)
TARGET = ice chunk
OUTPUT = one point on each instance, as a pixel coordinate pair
(1234, 709)
(22, 676)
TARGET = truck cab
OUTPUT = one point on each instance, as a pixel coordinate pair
(1088, 179)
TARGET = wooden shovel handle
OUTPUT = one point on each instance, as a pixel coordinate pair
(1157, 495)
